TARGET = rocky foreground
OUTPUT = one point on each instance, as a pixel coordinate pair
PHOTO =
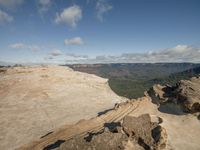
(165, 118)
(35, 100)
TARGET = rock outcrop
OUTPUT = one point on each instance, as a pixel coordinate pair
(188, 94)
(148, 134)
(134, 133)
(185, 94)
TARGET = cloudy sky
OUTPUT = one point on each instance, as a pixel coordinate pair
(99, 31)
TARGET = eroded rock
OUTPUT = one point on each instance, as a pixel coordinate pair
(139, 127)
(105, 141)
(186, 94)
(136, 133)
(149, 135)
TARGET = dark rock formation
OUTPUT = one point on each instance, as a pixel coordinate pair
(185, 94)
(134, 133)
(105, 141)
(3, 70)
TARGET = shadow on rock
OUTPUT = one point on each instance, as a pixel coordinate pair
(54, 145)
(135, 132)
(171, 108)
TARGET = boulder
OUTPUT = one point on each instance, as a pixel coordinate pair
(185, 93)
(136, 133)
(149, 135)
(188, 93)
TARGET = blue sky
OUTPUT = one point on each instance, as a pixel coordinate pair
(99, 31)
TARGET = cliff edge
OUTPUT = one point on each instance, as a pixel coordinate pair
(153, 122)
(35, 100)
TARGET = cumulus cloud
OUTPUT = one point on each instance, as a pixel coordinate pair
(56, 52)
(5, 18)
(74, 41)
(69, 16)
(25, 46)
(102, 7)
(10, 3)
(179, 53)
(44, 5)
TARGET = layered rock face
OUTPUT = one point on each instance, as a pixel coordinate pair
(35, 100)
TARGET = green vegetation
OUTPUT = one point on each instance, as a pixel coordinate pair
(135, 88)
(131, 80)
(128, 88)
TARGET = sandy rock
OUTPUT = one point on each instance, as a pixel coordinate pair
(148, 134)
(189, 93)
(138, 133)
(186, 93)
(37, 99)
(104, 141)
(139, 127)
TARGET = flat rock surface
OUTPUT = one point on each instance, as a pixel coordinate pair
(182, 130)
(35, 100)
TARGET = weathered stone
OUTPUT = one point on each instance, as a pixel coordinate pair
(150, 135)
(186, 93)
(104, 141)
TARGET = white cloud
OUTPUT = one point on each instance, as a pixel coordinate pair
(44, 5)
(5, 18)
(18, 46)
(10, 3)
(74, 41)
(69, 16)
(56, 52)
(179, 53)
(76, 55)
(25, 46)
(102, 7)
(180, 49)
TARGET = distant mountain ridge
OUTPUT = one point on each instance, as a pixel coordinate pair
(133, 70)
(175, 77)
(131, 80)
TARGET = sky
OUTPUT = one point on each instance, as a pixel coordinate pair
(99, 31)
